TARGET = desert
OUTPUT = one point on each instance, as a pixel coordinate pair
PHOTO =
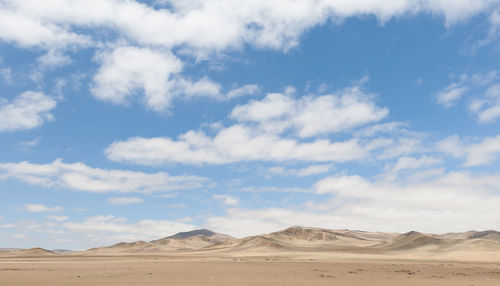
(249, 142)
(294, 256)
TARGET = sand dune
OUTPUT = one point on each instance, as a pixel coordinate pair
(183, 241)
(195, 239)
(205, 233)
(488, 234)
(413, 240)
(302, 239)
(32, 252)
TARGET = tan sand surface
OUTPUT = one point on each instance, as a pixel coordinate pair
(169, 270)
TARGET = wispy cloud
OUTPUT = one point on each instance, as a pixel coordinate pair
(476, 152)
(38, 208)
(125, 200)
(227, 199)
(300, 172)
(79, 176)
(57, 217)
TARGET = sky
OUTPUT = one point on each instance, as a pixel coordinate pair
(134, 120)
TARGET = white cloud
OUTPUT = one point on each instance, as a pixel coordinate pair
(157, 34)
(227, 199)
(268, 189)
(405, 163)
(483, 89)
(167, 196)
(300, 172)
(312, 115)
(30, 144)
(273, 107)
(28, 31)
(53, 59)
(78, 176)
(484, 79)
(207, 88)
(129, 70)
(232, 144)
(487, 108)
(451, 94)
(475, 152)
(387, 127)
(37, 208)
(7, 75)
(247, 89)
(177, 205)
(125, 200)
(262, 23)
(57, 217)
(26, 111)
(261, 134)
(387, 148)
(493, 32)
(203, 87)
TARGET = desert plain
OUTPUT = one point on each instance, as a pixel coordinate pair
(294, 256)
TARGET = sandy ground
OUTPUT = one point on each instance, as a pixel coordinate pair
(161, 270)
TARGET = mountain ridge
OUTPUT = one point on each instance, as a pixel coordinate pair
(295, 238)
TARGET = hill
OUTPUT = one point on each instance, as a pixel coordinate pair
(182, 241)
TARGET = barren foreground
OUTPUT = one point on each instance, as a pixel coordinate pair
(294, 256)
(162, 270)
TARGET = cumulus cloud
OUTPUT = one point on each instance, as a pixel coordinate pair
(260, 134)
(78, 176)
(477, 152)
(146, 38)
(125, 200)
(312, 115)
(26, 111)
(38, 208)
(28, 31)
(262, 23)
(232, 144)
(127, 70)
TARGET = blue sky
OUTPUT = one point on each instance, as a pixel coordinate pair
(128, 120)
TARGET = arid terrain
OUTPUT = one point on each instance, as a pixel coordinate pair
(295, 256)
